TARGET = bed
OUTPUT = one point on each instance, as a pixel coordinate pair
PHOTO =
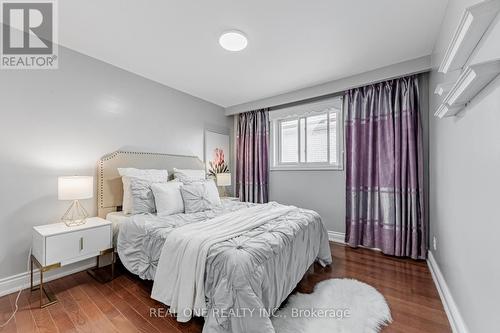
(254, 255)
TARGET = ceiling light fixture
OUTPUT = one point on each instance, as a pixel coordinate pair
(233, 40)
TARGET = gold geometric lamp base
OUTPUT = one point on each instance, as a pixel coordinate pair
(75, 215)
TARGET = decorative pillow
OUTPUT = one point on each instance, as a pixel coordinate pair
(213, 192)
(168, 198)
(152, 175)
(200, 196)
(189, 175)
(143, 200)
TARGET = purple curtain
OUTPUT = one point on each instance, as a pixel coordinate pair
(384, 168)
(252, 156)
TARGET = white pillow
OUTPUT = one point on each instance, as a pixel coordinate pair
(189, 175)
(168, 198)
(213, 192)
(151, 175)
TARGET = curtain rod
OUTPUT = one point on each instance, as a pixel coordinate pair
(335, 94)
(306, 101)
(278, 106)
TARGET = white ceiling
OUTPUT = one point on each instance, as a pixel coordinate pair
(292, 43)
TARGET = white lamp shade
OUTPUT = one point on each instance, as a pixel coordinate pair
(223, 179)
(75, 187)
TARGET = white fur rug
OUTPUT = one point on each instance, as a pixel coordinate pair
(335, 306)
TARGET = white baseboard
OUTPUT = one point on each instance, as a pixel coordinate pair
(454, 317)
(337, 237)
(20, 281)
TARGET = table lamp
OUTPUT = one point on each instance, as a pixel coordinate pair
(223, 180)
(75, 188)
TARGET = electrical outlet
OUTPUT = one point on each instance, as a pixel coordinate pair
(434, 243)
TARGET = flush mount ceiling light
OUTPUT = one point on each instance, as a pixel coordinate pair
(233, 40)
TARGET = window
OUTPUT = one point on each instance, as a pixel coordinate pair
(308, 136)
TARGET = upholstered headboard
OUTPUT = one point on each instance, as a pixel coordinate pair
(109, 184)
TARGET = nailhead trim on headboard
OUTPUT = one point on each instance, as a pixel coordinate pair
(110, 156)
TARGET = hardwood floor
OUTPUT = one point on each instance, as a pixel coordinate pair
(123, 305)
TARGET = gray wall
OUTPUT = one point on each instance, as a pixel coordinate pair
(61, 122)
(465, 183)
(324, 190)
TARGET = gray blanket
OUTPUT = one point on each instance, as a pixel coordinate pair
(246, 277)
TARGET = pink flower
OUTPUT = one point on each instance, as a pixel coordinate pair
(219, 156)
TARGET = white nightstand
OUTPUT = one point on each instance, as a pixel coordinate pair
(56, 245)
(231, 198)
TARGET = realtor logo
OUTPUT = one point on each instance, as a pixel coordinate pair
(29, 35)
